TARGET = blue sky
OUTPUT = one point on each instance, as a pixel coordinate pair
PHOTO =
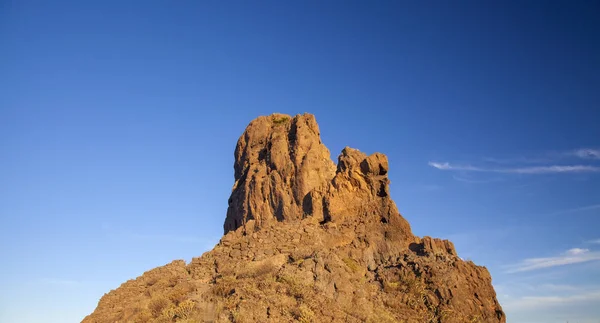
(118, 121)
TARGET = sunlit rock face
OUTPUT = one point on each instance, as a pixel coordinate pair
(306, 240)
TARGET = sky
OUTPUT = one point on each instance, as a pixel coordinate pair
(118, 122)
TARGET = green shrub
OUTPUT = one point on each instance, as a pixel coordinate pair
(280, 120)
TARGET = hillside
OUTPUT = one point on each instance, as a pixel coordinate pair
(307, 240)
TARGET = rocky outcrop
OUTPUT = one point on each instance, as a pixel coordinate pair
(283, 172)
(311, 242)
(359, 192)
(278, 160)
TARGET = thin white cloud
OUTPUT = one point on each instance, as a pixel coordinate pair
(520, 160)
(557, 287)
(502, 165)
(475, 181)
(587, 153)
(529, 301)
(547, 157)
(447, 166)
(538, 302)
(597, 241)
(577, 251)
(577, 209)
(521, 170)
(552, 169)
(527, 287)
(571, 256)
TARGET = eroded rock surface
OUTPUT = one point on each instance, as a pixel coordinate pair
(311, 242)
(278, 160)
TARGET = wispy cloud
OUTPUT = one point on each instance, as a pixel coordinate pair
(587, 153)
(554, 162)
(545, 289)
(475, 181)
(519, 170)
(547, 157)
(537, 302)
(557, 287)
(576, 209)
(597, 241)
(447, 166)
(519, 160)
(577, 251)
(552, 169)
(571, 256)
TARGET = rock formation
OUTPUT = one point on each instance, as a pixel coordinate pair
(278, 160)
(311, 242)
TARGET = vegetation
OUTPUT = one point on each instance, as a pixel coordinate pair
(280, 120)
(352, 264)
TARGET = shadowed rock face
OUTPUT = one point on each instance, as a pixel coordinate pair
(311, 242)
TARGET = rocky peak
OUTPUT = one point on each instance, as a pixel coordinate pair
(306, 241)
(279, 159)
(283, 172)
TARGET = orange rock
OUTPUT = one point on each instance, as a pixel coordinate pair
(308, 241)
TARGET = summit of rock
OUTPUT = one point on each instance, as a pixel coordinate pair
(278, 161)
(306, 240)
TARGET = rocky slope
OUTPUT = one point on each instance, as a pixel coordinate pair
(311, 242)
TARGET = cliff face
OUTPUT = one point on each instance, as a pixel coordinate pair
(308, 241)
(278, 160)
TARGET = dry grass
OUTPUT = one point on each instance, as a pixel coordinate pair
(292, 286)
(180, 293)
(225, 287)
(157, 305)
(380, 315)
(352, 264)
(151, 281)
(184, 311)
(143, 316)
(303, 314)
(258, 271)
